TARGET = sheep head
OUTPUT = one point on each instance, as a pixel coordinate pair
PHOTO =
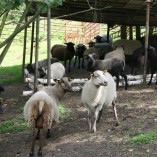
(99, 78)
(64, 84)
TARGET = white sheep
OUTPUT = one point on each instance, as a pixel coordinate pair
(43, 108)
(57, 70)
(98, 91)
(117, 53)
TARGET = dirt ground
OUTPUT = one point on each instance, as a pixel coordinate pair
(137, 111)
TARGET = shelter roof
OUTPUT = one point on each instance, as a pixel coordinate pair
(121, 12)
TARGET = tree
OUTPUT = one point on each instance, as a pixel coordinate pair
(7, 5)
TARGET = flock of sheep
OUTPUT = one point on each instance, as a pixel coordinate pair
(42, 108)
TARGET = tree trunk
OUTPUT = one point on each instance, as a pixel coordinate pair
(18, 29)
(3, 22)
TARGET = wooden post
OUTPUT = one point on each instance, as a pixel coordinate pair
(123, 32)
(48, 46)
(138, 32)
(108, 33)
(32, 40)
(36, 52)
(24, 51)
(146, 39)
(130, 33)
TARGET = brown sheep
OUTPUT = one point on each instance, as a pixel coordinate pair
(64, 53)
(42, 109)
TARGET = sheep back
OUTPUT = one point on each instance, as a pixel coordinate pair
(49, 108)
(118, 53)
(57, 70)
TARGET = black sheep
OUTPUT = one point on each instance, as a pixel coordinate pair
(64, 53)
(152, 57)
(114, 66)
(80, 49)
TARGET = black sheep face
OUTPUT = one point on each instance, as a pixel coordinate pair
(1, 88)
(30, 68)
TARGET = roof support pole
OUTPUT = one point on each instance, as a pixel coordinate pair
(24, 50)
(138, 32)
(146, 39)
(130, 33)
(123, 32)
(32, 40)
(108, 32)
(36, 52)
(48, 45)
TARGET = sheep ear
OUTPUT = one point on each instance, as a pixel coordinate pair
(91, 74)
(56, 80)
(70, 79)
(95, 56)
(105, 70)
(40, 86)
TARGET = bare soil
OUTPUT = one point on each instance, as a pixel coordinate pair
(137, 111)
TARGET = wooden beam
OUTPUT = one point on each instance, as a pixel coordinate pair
(24, 51)
(130, 33)
(146, 39)
(32, 41)
(36, 52)
(138, 32)
(48, 45)
(123, 32)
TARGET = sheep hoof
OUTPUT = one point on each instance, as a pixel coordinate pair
(117, 124)
(31, 154)
(48, 134)
(39, 153)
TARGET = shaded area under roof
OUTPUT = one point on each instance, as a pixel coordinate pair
(121, 12)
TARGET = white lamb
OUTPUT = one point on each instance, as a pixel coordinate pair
(98, 91)
(43, 108)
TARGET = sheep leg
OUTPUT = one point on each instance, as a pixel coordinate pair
(117, 82)
(41, 142)
(99, 115)
(69, 65)
(38, 134)
(79, 63)
(89, 120)
(125, 78)
(115, 113)
(82, 63)
(75, 60)
(48, 133)
(65, 63)
(152, 73)
(33, 141)
(95, 120)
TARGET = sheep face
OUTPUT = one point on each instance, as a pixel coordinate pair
(64, 84)
(30, 68)
(99, 78)
(98, 39)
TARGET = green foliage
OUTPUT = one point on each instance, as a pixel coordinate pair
(144, 139)
(13, 126)
(10, 4)
(63, 111)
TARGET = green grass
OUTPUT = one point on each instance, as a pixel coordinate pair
(148, 138)
(14, 125)
(63, 111)
(11, 74)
